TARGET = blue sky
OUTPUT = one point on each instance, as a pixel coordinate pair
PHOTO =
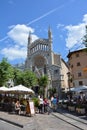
(67, 19)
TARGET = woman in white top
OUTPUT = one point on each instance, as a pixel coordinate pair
(41, 105)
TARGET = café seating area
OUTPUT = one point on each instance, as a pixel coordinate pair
(10, 96)
(8, 105)
(78, 106)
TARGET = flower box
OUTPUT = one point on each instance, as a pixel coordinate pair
(71, 108)
(80, 110)
(64, 105)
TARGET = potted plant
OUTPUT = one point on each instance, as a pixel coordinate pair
(64, 104)
(36, 103)
(80, 109)
(71, 106)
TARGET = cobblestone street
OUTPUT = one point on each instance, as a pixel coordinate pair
(50, 122)
(42, 122)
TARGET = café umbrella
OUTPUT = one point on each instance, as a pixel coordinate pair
(3, 89)
(79, 89)
(21, 89)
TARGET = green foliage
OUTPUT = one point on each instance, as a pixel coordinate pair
(6, 72)
(41, 91)
(43, 82)
(18, 77)
(80, 105)
(71, 104)
(26, 78)
(36, 101)
(29, 78)
(52, 91)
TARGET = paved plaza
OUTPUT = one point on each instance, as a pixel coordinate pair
(41, 121)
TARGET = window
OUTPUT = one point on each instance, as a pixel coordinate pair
(62, 77)
(80, 83)
(56, 71)
(79, 74)
(77, 55)
(71, 66)
(78, 63)
(70, 58)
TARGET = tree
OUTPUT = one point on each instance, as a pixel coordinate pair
(26, 78)
(6, 72)
(29, 78)
(52, 91)
(18, 77)
(43, 82)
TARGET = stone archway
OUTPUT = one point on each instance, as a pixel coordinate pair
(39, 64)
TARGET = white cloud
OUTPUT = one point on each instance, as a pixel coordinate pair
(15, 52)
(85, 18)
(75, 33)
(18, 35)
(60, 25)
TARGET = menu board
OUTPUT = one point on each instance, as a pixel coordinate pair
(32, 109)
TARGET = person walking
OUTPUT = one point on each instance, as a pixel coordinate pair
(40, 104)
(55, 103)
(52, 101)
(45, 105)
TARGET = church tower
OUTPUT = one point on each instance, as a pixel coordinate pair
(27, 62)
(50, 45)
(40, 48)
(49, 33)
(42, 60)
(29, 43)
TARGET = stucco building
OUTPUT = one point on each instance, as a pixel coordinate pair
(78, 67)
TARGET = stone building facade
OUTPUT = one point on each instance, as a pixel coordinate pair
(42, 60)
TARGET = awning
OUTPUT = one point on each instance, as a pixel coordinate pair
(85, 69)
(79, 89)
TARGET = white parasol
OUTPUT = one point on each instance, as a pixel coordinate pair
(4, 89)
(21, 89)
(79, 89)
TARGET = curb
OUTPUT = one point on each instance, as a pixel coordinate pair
(67, 121)
(14, 123)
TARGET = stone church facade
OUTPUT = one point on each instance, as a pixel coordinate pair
(42, 60)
